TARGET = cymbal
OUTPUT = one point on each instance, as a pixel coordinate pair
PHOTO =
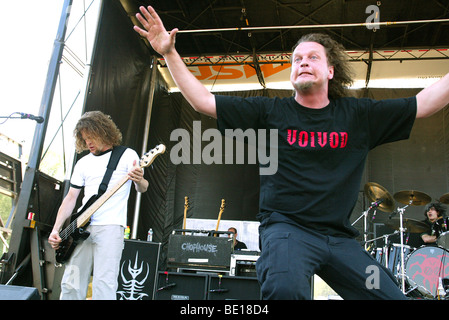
(375, 192)
(413, 226)
(445, 198)
(412, 197)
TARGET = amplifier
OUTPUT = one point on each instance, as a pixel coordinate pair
(181, 286)
(244, 263)
(210, 251)
(233, 288)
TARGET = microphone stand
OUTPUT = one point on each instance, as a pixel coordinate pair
(10, 117)
(21, 116)
(364, 214)
(401, 230)
(365, 227)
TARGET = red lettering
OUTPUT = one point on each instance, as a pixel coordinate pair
(333, 140)
(291, 139)
(303, 139)
(344, 139)
(336, 139)
(322, 138)
(312, 139)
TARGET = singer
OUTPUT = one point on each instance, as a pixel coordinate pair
(305, 206)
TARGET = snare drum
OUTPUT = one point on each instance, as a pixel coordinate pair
(424, 267)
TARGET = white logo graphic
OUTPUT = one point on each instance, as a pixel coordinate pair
(256, 142)
(132, 288)
(374, 18)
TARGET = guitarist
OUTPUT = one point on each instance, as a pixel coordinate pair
(101, 252)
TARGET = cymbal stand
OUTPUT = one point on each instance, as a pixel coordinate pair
(386, 247)
(401, 230)
(365, 224)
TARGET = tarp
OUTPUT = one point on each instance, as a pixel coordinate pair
(120, 85)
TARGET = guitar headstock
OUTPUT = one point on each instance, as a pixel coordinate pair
(186, 202)
(223, 204)
(148, 158)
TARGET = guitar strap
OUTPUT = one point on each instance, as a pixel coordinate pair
(113, 161)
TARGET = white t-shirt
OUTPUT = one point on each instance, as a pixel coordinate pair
(89, 172)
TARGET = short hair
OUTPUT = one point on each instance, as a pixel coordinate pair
(343, 73)
(100, 126)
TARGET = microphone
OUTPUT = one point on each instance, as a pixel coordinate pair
(38, 119)
(376, 204)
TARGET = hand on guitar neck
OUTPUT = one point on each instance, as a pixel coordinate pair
(136, 175)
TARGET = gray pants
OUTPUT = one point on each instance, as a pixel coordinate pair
(99, 255)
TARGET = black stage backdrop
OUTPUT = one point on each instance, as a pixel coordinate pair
(120, 87)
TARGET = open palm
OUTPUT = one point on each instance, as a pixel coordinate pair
(154, 31)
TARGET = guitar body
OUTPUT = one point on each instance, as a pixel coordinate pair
(77, 235)
(67, 246)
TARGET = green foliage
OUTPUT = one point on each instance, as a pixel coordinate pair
(5, 210)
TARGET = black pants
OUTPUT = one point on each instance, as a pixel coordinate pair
(291, 255)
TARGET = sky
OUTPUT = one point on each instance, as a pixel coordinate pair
(28, 29)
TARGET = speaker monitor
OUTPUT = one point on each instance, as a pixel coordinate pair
(138, 270)
(181, 286)
(8, 292)
(233, 288)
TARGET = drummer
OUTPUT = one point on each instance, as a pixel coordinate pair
(435, 214)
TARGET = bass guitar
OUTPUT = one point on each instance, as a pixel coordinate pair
(76, 232)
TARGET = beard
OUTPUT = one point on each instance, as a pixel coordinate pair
(303, 86)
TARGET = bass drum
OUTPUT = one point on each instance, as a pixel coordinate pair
(424, 267)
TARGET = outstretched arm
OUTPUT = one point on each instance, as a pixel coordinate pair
(433, 98)
(164, 43)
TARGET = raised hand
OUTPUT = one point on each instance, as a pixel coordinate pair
(163, 43)
(155, 32)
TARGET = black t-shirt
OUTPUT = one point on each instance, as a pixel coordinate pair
(321, 152)
(436, 228)
(240, 245)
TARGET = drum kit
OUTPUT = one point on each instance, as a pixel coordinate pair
(422, 272)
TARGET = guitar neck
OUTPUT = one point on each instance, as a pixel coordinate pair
(220, 213)
(85, 216)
